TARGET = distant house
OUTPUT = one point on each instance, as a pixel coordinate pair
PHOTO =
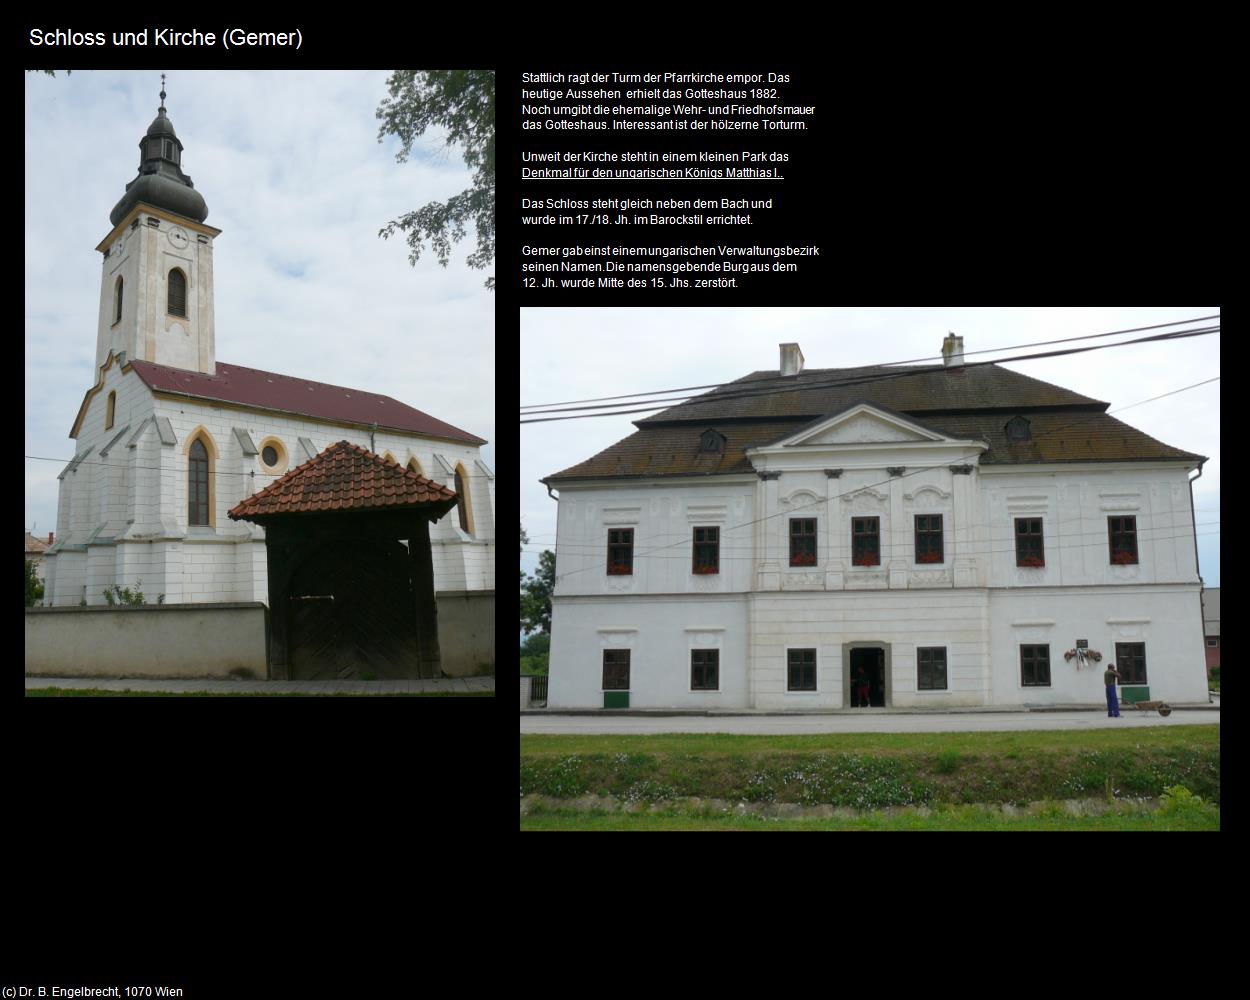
(35, 548)
(1211, 626)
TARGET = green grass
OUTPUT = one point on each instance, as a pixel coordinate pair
(101, 693)
(876, 770)
(1051, 816)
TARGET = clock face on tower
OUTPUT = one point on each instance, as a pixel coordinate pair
(178, 238)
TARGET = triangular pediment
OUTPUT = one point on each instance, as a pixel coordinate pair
(863, 424)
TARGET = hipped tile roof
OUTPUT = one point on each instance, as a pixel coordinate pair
(252, 387)
(346, 477)
(965, 402)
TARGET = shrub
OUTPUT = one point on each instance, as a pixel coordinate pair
(124, 595)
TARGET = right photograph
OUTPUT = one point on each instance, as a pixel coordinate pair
(867, 509)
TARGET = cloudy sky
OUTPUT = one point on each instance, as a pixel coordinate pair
(294, 176)
(571, 354)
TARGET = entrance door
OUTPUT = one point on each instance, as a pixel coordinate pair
(869, 663)
(353, 613)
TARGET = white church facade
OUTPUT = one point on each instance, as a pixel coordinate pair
(169, 438)
(942, 536)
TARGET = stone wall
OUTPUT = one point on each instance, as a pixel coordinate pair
(167, 640)
(466, 632)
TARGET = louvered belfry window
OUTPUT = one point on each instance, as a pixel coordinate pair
(177, 293)
(197, 484)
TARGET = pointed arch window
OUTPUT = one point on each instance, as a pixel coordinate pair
(462, 503)
(177, 293)
(117, 301)
(197, 484)
(110, 410)
(415, 466)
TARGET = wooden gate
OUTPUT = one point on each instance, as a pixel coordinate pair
(351, 613)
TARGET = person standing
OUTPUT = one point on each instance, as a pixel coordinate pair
(861, 687)
(1110, 676)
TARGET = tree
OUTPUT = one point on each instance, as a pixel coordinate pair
(34, 589)
(463, 102)
(536, 595)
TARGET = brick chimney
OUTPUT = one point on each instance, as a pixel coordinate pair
(953, 351)
(791, 359)
(49, 538)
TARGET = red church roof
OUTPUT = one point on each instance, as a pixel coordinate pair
(345, 477)
(258, 389)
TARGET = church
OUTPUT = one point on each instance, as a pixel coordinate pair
(170, 438)
(935, 536)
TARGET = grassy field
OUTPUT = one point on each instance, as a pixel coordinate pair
(1048, 816)
(873, 771)
(53, 692)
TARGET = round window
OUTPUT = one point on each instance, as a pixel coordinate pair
(269, 456)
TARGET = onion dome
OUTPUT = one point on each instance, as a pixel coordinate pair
(161, 182)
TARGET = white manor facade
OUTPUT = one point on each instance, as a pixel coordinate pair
(965, 536)
(169, 439)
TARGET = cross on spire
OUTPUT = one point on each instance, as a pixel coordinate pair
(162, 108)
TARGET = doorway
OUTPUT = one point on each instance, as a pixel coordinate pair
(869, 662)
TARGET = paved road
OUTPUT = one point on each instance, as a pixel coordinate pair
(457, 684)
(848, 723)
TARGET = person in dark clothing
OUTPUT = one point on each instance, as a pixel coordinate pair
(860, 685)
(1110, 676)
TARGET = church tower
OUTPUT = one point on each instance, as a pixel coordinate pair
(156, 294)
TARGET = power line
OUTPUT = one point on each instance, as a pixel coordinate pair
(215, 472)
(937, 357)
(749, 389)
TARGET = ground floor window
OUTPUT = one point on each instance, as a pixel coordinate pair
(1130, 660)
(1035, 666)
(616, 669)
(801, 670)
(931, 668)
(705, 670)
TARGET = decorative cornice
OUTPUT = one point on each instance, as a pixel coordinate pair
(896, 470)
(769, 475)
(961, 470)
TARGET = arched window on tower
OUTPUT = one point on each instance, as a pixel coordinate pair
(177, 292)
(197, 484)
(111, 409)
(462, 502)
(117, 300)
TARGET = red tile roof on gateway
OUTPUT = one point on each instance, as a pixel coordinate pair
(345, 477)
(258, 389)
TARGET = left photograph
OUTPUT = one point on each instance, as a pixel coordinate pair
(259, 400)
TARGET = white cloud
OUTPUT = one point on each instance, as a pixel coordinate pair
(294, 176)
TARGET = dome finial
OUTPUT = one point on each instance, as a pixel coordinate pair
(162, 107)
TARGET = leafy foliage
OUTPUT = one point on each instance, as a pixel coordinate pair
(117, 594)
(536, 594)
(34, 589)
(463, 102)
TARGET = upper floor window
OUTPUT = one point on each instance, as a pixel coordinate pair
(197, 484)
(177, 294)
(1035, 666)
(117, 300)
(928, 538)
(1130, 660)
(1029, 550)
(620, 551)
(1122, 532)
(110, 410)
(802, 541)
(706, 550)
(866, 541)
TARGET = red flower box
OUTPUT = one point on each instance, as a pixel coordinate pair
(929, 557)
(803, 559)
(1123, 559)
(706, 570)
(1031, 562)
(870, 559)
(619, 570)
